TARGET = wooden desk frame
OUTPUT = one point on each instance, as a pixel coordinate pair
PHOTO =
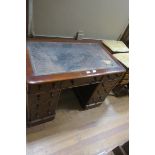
(43, 92)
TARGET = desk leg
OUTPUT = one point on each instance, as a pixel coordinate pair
(41, 107)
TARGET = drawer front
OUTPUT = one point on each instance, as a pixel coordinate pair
(41, 88)
(126, 77)
(113, 77)
(42, 105)
(110, 84)
(123, 82)
(80, 82)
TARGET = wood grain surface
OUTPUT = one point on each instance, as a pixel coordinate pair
(77, 132)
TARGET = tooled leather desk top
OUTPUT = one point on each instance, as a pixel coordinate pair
(60, 57)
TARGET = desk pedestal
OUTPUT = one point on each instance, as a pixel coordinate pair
(42, 99)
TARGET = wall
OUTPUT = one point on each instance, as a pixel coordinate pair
(96, 18)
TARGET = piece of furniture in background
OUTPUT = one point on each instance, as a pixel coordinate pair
(121, 150)
(121, 52)
(86, 66)
(125, 37)
(122, 88)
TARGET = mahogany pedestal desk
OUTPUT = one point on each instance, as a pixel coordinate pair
(54, 65)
